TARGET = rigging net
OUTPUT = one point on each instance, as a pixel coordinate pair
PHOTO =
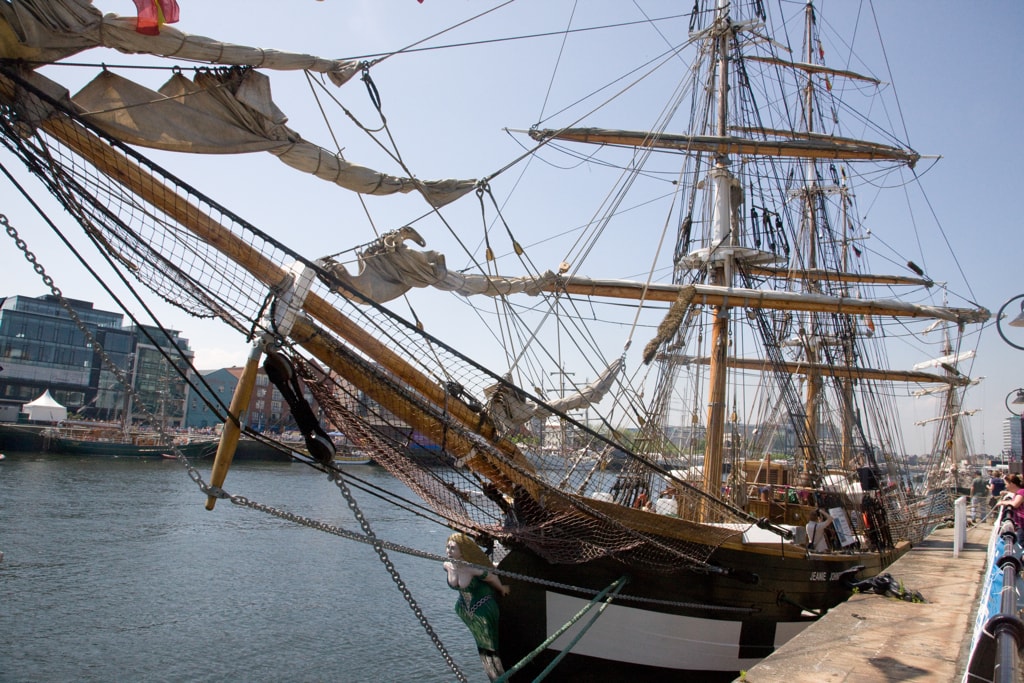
(422, 409)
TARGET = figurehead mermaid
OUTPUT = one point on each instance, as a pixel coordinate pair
(477, 604)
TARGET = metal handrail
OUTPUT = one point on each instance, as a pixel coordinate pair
(995, 656)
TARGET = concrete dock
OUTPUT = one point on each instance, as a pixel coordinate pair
(877, 638)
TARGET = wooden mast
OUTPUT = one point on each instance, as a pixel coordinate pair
(809, 444)
(846, 445)
(719, 274)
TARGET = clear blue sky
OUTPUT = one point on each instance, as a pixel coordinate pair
(955, 66)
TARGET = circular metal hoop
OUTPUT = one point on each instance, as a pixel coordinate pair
(999, 320)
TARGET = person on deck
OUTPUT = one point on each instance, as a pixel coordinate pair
(996, 486)
(477, 604)
(817, 540)
(979, 496)
(1014, 500)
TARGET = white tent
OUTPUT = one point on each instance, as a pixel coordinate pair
(45, 409)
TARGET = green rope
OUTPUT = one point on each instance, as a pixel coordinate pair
(614, 589)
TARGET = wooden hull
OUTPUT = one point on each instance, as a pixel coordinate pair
(34, 438)
(66, 446)
(21, 437)
(695, 626)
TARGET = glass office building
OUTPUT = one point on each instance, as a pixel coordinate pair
(43, 348)
(1012, 436)
(160, 390)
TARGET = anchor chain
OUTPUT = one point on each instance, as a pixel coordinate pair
(378, 547)
(194, 474)
(406, 550)
(368, 536)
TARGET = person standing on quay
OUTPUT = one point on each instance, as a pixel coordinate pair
(1014, 500)
(996, 486)
(979, 496)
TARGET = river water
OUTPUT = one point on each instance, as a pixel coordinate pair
(115, 571)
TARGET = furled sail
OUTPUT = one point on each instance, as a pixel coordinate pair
(232, 112)
(761, 397)
(802, 147)
(388, 269)
(218, 112)
(511, 408)
(51, 30)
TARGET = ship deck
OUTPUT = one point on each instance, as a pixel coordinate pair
(872, 637)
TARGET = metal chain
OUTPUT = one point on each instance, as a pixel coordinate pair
(239, 500)
(368, 536)
(378, 546)
(406, 550)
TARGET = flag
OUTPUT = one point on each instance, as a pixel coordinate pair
(153, 14)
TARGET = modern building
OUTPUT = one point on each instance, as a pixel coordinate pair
(1012, 438)
(267, 410)
(157, 367)
(222, 383)
(43, 347)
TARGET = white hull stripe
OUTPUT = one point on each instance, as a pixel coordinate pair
(638, 636)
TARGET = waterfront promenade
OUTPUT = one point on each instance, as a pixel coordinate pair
(874, 638)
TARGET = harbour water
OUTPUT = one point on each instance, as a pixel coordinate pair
(115, 571)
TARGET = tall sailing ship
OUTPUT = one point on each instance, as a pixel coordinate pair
(652, 444)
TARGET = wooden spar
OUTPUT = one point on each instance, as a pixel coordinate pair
(718, 377)
(504, 474)
(342, 325)
(798, 135)
(326, 348)
(712, 295)
(726, 144)
(233, 425)
(340, 359)
(128, 173)
(813, 68)
(339, 323)
(849, 418)
(852, 278)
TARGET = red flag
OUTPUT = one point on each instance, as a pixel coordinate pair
(154, 13)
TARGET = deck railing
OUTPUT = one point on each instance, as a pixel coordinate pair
(998, 630)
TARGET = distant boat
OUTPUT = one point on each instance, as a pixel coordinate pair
(353, 458)
(345, 454)
(115, 443)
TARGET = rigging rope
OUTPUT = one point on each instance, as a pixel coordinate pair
(367, 537)
(605, 597)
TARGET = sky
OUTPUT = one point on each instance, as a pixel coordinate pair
(955, 68)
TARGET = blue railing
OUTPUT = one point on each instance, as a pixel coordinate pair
(998, 630)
